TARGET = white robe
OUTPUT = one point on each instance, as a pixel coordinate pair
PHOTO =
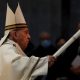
(15, 65)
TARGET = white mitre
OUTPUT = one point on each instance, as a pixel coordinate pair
(13, 21)
(10, 20)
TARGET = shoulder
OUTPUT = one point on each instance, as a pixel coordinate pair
(7, 47)
(8, 52)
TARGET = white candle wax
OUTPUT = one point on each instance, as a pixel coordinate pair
(67, 44)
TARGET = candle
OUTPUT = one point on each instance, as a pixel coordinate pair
(67, 44)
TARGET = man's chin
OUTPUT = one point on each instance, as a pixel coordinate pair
(26, 46)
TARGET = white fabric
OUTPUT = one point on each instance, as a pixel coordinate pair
(5, 37)
(14, 65)
(76, 61)
(19, 16)
(10, 17)
(10, 20)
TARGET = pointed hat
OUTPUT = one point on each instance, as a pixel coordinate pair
(13, 21)
(10, 19)
(19, 18)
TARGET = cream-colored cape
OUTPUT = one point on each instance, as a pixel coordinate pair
(15, 65)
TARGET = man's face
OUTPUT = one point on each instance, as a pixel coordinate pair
(23, 37)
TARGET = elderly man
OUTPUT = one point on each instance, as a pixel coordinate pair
(14, 64)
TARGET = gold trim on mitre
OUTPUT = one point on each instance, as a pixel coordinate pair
(19, 20)
(15, 26)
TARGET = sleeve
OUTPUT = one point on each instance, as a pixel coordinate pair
(41, 68)
(13, 65)
(19, 67)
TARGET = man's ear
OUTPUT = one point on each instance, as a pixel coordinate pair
(13, 35)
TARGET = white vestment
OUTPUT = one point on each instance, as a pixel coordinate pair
(15, 65)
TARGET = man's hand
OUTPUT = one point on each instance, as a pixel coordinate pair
(51, 60)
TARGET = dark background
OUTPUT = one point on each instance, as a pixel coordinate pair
(58, 17)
